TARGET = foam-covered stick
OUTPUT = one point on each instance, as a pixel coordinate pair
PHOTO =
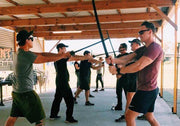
(111, 44)
(99, 28)
(73, 52)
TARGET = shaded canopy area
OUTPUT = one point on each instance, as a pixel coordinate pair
(121, 18)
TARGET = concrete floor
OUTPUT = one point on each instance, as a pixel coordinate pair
(98, 115)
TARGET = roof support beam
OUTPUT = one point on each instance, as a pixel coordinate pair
(164, 16)
(80, 6)
(111, 32)
(89, 36)
(88, 27)
(82, 20)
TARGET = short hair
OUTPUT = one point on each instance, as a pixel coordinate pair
(149, 25)
(86, 52)
(124, 45)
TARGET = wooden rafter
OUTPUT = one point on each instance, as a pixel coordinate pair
(81, 6)
(47, 1)
(87, 27)
(81, 20)
(89, 36)
(13, 2)
(125, 31)
(164, 16)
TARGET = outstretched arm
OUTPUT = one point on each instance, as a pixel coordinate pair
(135, 67)
(121, 60)
(50, 57)
(77, 58)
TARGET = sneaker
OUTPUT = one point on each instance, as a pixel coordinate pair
(101, 89)
(142, 117)
(95, 90)
(120, 119)
(89, 103)
(71, 121)
(75, 102)
(91, 96)
(117, 108)
(54, 117)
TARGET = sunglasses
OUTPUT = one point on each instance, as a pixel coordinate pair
(142, 31)
(31, 38)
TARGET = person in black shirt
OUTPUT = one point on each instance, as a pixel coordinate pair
(120, 84)
(77, 69)
(131, 81)
(63, 89)
(85, 77)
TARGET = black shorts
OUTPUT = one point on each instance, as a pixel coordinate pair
(131, 82)
(84, 83)
(144, 101)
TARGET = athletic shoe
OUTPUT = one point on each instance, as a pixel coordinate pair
(116, 108)
(89, 103)
(71, 120)
(95, 90)
(75, 102)
(101, 89)
(91, 96)
(142, 117)
(54, 117)
(120, 119)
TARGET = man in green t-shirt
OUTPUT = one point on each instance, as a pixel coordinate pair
(26, 103)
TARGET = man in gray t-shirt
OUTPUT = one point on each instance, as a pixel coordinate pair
(147, 66)
(26, 102)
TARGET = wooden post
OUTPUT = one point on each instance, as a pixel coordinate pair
(162, 65)
(15, 44)
(174, 110)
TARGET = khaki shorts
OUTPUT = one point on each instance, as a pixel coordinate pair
(27, 105)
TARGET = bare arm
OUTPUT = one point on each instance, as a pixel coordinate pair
(49, 57)
(77, 58)
(121, 60)
(96, 67)
(135, 67)
(125, 59)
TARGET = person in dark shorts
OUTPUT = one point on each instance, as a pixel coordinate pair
(147, 66)
(85, 77)
(26, 103)
(131, 81)
(63, 89)
(121, 81)
(99, 75)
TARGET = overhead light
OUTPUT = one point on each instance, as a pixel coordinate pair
(60, 32)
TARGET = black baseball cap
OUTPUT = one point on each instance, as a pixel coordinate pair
(86, 52)
(22, 36)
(60, 45)
(136, 41)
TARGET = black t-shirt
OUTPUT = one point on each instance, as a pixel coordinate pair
(76, 70)
(139, 52)
(85, 68)
(120, 55)
(61, 70)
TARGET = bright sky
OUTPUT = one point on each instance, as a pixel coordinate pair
(96, 49)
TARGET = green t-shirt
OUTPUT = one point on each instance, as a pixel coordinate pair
(24, 71)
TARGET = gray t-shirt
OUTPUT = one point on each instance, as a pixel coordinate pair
(24, 71)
